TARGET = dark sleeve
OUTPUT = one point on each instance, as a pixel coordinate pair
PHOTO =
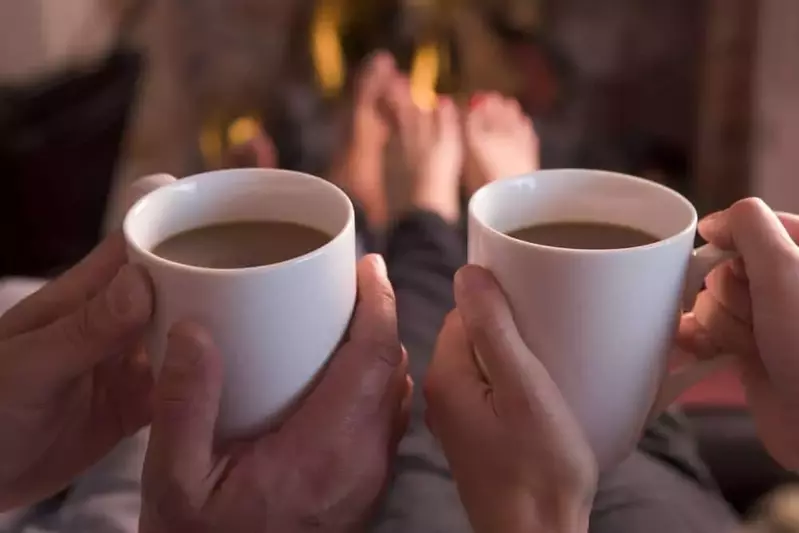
(423, 252)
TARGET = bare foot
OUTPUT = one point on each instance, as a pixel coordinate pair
(360, 169)
(371, 126)
(433, 148)
(501, 139)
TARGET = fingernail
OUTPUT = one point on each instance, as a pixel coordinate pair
(380, 265)
(186, 346)
(474, 278)
(129, 295)
(710, 219)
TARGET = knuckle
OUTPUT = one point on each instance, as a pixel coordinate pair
(748, 208)
(79, 329)
(385, 350)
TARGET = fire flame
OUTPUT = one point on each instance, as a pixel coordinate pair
(326, 50)
(425, 70)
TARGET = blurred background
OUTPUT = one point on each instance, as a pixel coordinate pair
(702, 95)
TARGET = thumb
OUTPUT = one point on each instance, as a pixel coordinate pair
(489, 324)
(187, 395)
(103, 327)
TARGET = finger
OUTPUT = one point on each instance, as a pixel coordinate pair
(521, 389)
(791, 223)
(756, 232)
(102, 328)
(730, 292)
(186, 406)
(366, 380)
(724, 330)
(489, 325)
(375, 317)
(135, 379)
(738, 269)
(68, 292)
(693, 339)
(404, 413)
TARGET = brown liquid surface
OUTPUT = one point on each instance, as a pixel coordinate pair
(584, 235)
(241, 244)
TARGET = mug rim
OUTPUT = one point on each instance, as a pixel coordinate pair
(597, 174)
(140, 204)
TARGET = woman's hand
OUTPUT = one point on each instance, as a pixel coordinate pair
(518, 456)
(750, 309)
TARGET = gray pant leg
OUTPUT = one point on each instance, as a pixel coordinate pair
(423, 497)
(645, 495)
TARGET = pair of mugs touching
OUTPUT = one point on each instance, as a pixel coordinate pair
(595, 300)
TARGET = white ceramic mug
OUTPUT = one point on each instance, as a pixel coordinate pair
(276, 325)
(601, 321)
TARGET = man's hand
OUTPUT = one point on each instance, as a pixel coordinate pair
(518, 456)
(72, 380)
(322, 470)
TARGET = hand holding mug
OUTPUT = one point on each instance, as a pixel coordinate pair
(265, 260)
(323, 469)
(518, 455)
(749, 309)
(596, 267)
(72, 380)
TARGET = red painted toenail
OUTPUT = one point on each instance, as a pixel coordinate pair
(477, 100)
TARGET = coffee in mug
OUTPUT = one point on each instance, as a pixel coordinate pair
(584, 235)
(241, 244)
(263, 259)
(596, 267)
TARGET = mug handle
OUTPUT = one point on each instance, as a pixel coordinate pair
(703, 260)
(144, 186)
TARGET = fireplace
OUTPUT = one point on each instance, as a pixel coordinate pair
(657, 88)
